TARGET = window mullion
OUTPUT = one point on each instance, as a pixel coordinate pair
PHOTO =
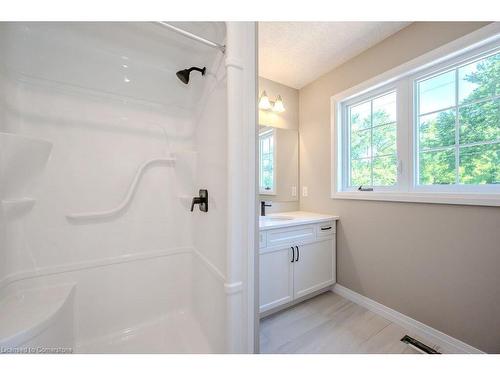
(457, 132)
(346, 141)
(371, 143)
(403, 134)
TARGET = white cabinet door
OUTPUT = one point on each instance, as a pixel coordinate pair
(315, 268)
(276, 278)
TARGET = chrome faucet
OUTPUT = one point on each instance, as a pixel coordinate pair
(263, 205)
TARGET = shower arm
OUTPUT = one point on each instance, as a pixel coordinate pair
(192, 36)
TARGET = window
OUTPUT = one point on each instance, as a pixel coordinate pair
(425, 132)
(267, 161)
(458, 117)
(372, 142)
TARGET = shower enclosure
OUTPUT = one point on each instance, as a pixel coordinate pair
(102, 150)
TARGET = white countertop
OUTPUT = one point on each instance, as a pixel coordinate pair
(287, 219)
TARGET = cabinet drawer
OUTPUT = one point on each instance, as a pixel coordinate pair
(262, 239)
(325, 229)
(292, 235)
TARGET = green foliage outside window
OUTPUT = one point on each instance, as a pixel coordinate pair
(463, 101)
(373, 142)
(478, 121)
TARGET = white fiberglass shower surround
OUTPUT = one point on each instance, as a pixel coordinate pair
(102, 149)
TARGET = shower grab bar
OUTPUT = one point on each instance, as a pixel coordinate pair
(128, 197)
(192, 36)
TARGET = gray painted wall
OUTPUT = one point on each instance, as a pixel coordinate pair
(439, 264)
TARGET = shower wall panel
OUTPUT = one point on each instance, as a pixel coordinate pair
(106, 96)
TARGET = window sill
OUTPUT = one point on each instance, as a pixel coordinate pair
(266, 193)
(419, 197)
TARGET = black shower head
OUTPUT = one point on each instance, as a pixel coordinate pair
(183, 75)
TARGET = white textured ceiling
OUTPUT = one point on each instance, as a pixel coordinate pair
(297, 53)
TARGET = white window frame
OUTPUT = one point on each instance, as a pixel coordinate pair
(402, 79)
(345, 132)
(272, 131)
(464, 59)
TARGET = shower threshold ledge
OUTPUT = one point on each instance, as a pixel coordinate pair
(177, 332)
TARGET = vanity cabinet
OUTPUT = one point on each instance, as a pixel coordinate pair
(294, 262)
(276, 278)
(315, 268)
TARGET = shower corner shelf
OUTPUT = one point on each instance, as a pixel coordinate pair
(128, 197)
(22, 162)
(10, 206)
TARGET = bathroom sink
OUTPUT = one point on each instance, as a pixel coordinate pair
(275, 218)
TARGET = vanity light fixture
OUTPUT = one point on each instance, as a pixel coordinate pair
(266, 104)
(278, 105)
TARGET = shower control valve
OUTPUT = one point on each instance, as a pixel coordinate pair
(201, 200)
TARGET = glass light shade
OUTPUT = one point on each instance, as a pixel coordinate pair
(278, 105)
(264, 102)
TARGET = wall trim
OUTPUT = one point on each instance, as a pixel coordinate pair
(79, 266)
(233, 288)
(211, 267)
(127, 258)
(232, 62)
(445, 342)
(453, 198)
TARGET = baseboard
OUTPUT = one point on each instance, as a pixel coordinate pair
(444, 343)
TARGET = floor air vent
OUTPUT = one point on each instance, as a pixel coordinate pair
(417, 345)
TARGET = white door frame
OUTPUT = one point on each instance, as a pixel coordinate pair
(242, 224)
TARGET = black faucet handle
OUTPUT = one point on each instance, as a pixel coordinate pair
(196, 200)
(201, 200)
